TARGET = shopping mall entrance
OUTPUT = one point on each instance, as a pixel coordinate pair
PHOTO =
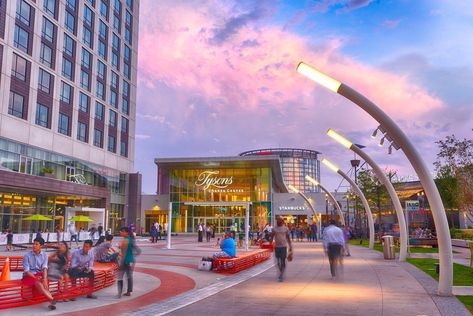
(223, 215)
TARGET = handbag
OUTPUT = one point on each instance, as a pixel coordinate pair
(290, 256)
(205, 264)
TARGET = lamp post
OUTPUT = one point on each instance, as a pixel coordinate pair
(295, 190)
(327, 192)
(360, 195)
(384, 179)
(400, 140)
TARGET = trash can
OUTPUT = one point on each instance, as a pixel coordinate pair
(388, 247)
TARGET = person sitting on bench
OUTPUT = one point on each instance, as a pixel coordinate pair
(228, 248)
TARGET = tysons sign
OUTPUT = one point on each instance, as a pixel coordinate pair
(210, 179)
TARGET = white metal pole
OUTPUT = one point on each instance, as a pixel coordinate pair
(247, 224)
(335, 203)
(394, 198)
(365, 205)
(168, 244)
(433, 196)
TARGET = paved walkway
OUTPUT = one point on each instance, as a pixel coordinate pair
(167, 282)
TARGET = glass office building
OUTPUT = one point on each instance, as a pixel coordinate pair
(68, 72)
(295, 163)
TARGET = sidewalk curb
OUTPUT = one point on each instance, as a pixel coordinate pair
(447, 305)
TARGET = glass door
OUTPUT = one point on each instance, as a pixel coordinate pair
(26, 165)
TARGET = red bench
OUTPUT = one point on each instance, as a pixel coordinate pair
(241, 262)
(14, 294)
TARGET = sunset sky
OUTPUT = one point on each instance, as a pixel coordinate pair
(216, 78)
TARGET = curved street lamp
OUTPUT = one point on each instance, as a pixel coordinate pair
(360, 195)
(335, 203)
(295, 190)
(400, 140)
(385, 181)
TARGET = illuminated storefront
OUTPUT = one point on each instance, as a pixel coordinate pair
(216, 191)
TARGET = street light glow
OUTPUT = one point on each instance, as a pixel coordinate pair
(312, 180)
(330, 165)
(293, 188)
(319, 77)
(339, 138)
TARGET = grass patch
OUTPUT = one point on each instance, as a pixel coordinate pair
(467, 300)
(379, 247)
(462, 275)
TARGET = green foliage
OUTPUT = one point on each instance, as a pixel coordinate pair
(466, 234)
(467, 300)
(454, 167)
(47, 169)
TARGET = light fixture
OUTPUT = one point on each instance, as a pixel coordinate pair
(381, 142)
(312, 180)
(319, 77)
(293, 188)
(374, 133)
(330, 165)
(339, 138)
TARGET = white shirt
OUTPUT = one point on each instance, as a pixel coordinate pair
(333, 235)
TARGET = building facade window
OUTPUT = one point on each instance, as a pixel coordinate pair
(124, 126)
(71, 4)
(114, 60)
(83, 102)
(102, 49)
(44, 81)
(114, 80)
(128, 18)
(98, 138)
(112, 121)
(116, 42)
(42, 115)
(86, 58)
(50, 7)
(126, 53)
(88, 16)
(113, 99)
(101, 70)
(66, 93)
(123, 149)
(126, 71)
(99, 111)
(70, 22)
(16, 105)
(46, 55)
(116, 23)
(68, 45)
(126, 88)
(48, 30)
(19, 66)
(63, 124)
(21, 39)
(125, 108)
(67, 69)
(100, 90)
(87, 37)
(23, 11)
(82, 132)
(104, 9)
(111, 143)
(84, 80)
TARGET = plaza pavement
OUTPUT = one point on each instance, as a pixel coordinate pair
(167, 282)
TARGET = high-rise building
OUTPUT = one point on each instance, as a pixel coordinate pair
(296, 164)
(67, 119)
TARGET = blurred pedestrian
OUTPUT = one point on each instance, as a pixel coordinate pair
(127, 260)
(334, 243)
(280, 235)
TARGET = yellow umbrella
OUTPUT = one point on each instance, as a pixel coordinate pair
(37, 217)
(81, 218)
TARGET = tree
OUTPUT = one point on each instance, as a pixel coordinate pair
(454, 167)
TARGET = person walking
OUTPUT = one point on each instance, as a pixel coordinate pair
(346, 235)
(334, 243)
(280, 235)
(200, 230)
(313, 227)
(127, 262)
(72, 231)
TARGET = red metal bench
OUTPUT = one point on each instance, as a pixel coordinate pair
(241, 262)
(14, 294)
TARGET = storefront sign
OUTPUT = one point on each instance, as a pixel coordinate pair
(292, 208)
(209, 180)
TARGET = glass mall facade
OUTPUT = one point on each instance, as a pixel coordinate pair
(217, 192)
